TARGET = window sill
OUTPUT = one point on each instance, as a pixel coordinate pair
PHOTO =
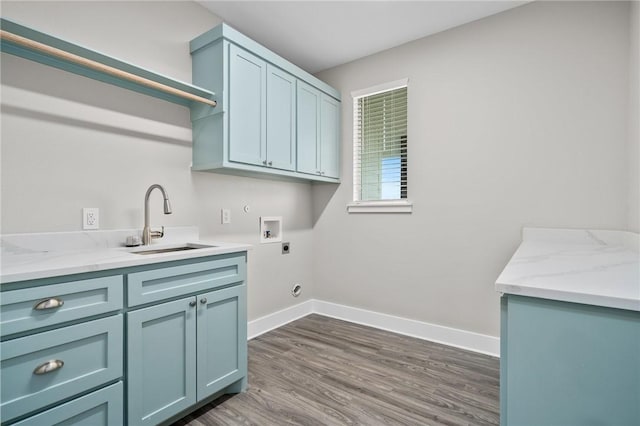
(394, 206)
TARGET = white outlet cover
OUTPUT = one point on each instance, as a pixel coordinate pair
(90, 218)
(226, 216)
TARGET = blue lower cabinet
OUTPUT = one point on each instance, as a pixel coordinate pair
(42, 369)
(184, 351)
(161, 361)
(65, 342)
(568, 364)
(222, 339)
(100, 408)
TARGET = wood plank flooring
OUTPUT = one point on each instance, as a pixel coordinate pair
(322, 371)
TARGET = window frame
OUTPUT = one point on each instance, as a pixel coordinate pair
(374, 206)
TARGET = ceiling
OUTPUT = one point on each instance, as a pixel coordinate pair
(317, 35)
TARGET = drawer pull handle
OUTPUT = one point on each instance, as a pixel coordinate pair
(48, 367)
(50, 303)
(203, 300)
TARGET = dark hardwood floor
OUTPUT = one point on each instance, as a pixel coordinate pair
(322, 371)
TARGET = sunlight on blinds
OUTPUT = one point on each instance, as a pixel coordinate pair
(380, 151)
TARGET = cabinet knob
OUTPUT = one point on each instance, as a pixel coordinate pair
(318, 172)
(48, 367)
(50, 303)
(192, 303)
(203, 300)
(264, 162)
(322, 173)
(271, 163)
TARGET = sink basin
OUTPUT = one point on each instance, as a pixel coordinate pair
(173, 249)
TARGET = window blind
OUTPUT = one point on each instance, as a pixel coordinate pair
(380, 146)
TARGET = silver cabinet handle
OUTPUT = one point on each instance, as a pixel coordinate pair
(271, 163)
(50, 303)
(48, 367)
(203, 300)
(264, 162)
(192, 303)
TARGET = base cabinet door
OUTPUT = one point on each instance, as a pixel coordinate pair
(161, 361)
(99, 408)
(222, 336)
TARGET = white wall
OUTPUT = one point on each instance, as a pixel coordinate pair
(517, 119)
(70, 142)
(633, 216)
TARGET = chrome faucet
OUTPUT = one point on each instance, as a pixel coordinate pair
(147, 233)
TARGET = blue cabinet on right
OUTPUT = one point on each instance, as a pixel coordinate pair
(568, 364)
(318, 132)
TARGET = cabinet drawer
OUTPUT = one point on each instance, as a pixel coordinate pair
(164, 283)
(19, 311)
(91, 354)
(99, 408)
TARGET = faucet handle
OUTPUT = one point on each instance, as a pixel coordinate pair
(157, 234)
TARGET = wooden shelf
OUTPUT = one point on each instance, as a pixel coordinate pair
(27, 43)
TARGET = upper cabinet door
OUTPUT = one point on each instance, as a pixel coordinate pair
(281, 119)
(308, 129)
(329, 137)
(247, 107)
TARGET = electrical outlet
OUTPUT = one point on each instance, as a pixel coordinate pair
(226, 216)
(90, 218)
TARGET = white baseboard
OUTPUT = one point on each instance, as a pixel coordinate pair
(277, 319)
(463, 339)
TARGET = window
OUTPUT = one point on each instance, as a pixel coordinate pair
(380, 149)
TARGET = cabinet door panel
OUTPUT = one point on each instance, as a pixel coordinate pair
(157, 284)
(281, 119)
(308, 109)
(569, 364)
(247, 107)
(330, 137)
(79, 299)
(90, 354)
(99, 408)
(161, 361)
(222, 339)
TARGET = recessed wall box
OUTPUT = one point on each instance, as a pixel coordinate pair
(270, 229)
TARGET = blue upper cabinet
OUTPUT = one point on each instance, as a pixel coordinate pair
(281, 119)
(318, 133)
(329, 137)
(247, 107)
(308, 129)
(259, 127)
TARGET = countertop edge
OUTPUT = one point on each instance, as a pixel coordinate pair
(134, 260)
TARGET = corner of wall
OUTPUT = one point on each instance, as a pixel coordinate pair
(633, 147)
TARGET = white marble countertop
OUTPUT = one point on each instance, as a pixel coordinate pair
(33, 256)
(582, 266)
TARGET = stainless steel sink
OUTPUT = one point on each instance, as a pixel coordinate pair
(172, 249)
